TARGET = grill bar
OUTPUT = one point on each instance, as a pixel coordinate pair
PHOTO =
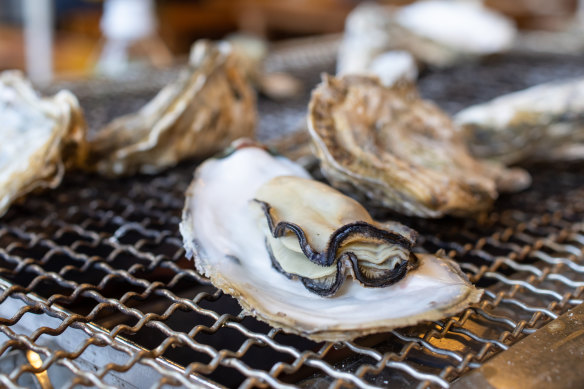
(94, 281)
(548, 358)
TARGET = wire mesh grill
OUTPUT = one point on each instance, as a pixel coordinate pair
(96, 290)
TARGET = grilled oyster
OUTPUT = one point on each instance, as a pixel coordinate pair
(437, 32)
(208, 106)
(399, 151)
(305, 219)
(40, 138)
(265, 233)
(542, 122)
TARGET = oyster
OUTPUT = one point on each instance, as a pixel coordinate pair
(261, 230)
(40, 138)
(542, 122)
(437, 32)
(208, 106)
(399, 151)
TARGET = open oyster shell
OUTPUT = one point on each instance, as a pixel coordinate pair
(226, 231)
(544, 122)
(208, 106)
(41, 137)
(399, 151)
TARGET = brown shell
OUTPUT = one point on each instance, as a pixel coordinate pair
(399, 151)
(208, 106)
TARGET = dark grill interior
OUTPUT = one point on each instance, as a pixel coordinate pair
(95, 282)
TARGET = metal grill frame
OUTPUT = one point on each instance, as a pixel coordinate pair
(94, 281)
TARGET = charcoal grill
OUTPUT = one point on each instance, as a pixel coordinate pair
(96, 290)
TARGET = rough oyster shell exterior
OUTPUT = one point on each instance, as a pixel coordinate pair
(208, 106)
(41, 137)
(398, 151)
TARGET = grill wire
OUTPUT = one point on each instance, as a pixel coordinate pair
(95, 283)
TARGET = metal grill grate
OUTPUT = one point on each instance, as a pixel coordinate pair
(94, 280)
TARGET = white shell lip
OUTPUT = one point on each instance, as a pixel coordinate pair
(435, 289)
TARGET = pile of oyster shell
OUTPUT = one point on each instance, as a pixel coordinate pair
(297, 253)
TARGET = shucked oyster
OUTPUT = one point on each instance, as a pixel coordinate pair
(305, 219)
(208, 106)
(399, 151)
(261, 230)
(40, 138)
(542, 122)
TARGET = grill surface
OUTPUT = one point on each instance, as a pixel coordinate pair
(95, 284)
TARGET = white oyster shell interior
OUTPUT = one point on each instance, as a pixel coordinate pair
(220, 229)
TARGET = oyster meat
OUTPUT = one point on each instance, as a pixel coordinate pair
(398, 151)
(539, 123)
(41, 137)
(279, 242)
(437, 32)
(208, 106)
(302, 219)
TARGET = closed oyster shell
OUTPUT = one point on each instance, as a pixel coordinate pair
(224, 230)
(544, 122)
(399, 151)
(208, 106)
(41, 137)
(436, 32)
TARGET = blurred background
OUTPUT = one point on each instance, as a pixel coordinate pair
(82, 38)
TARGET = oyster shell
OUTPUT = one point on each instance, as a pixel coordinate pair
(229, 233)
(399, 151)
(208, 106)
(41, 137)
(542, 122)
(437, 32)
